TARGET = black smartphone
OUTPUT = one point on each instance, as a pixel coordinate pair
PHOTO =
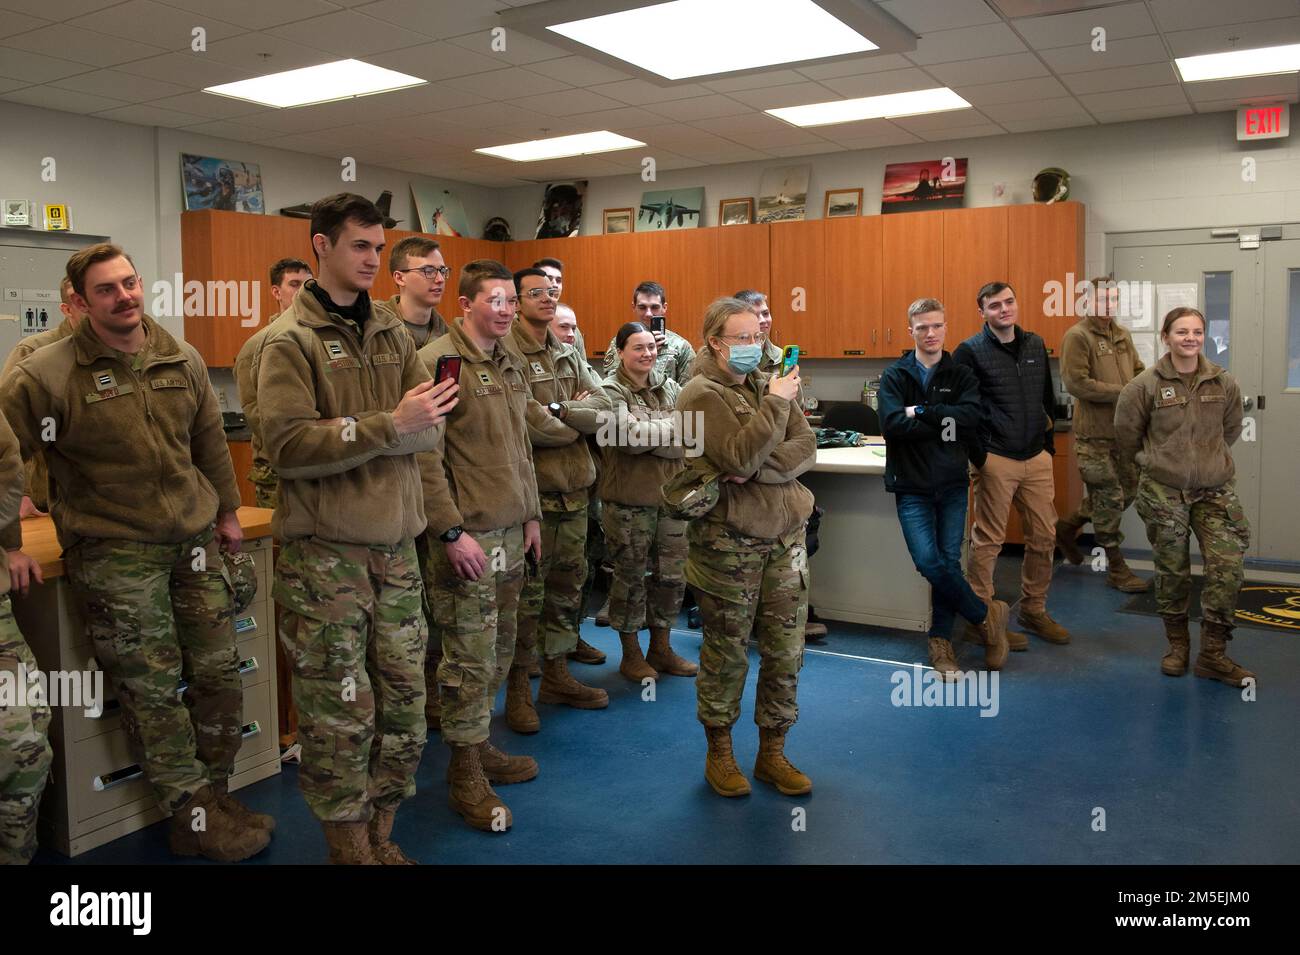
(658, 324)
(789, 358)
(448, 367)
(531, 561)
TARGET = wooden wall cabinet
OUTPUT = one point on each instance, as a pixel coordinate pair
(913, 263)
(975, 246)
(1045, 244)
(854, 284)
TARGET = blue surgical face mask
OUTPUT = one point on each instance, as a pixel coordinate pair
(742, 359)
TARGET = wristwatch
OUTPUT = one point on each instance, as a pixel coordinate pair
(919, 410)
(451, 534)
(556, 409)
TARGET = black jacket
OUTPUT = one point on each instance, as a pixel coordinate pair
(1016, 393)
(918, 458)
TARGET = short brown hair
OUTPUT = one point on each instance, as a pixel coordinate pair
(1176, 313)
(475, 273)
(331, 214)
(81, 261)
(65, 286)
(923, 306)
(417, 245)
(287, 265)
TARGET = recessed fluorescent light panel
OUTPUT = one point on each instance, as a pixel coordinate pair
(325, 83)
(1225, 66)
(686, 38)
(560, 147)
(872, 107)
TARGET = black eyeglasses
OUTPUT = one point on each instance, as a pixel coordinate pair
(429, 271)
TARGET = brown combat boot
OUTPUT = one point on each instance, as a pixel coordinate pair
(584, 652)
(993, 634)
(942, 659)
(602, 615)
(432, 706)
(814, 630)
(505, 770)
(238, 811)
(559, 686)
(720, 769)
(469, 793)
(1067, 529)
(521, 715)
(1017, 642)
(349, 843)
(634, 665)
(771, 766)
(1040, 624)
(382, 846)
(662, 657)
(1213, 661)
(1120, 577)
(202, 828)
(1174, 663)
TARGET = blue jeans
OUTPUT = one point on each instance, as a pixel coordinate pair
(933, 525)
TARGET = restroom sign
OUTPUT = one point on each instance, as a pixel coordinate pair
(56, 218)
(1264, 122)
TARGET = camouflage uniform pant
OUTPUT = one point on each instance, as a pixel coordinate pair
(25, 753)
(1216, 517)
(644, 544)
(433, 655)
(595, 550)
(155, 620)
(266, 485)
(1111, 481)
(743, 584)
(478, 621)
(549, 605)
(355, 637)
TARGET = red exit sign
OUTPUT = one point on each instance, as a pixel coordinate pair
(1264, 122)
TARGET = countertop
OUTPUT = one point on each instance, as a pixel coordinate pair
(40, 542)
(862, 460)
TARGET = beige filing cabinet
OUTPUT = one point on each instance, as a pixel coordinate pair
(96, 791)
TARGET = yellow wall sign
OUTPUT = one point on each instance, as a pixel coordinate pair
(56, 218)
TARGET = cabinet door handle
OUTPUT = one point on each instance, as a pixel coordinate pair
(116, 778)
(873, 336)
(889, 335)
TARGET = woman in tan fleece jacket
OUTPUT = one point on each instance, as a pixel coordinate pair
(641, 450)
(1178, 420)
(747, 562)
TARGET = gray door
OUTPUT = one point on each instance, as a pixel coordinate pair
(1228, 283)
(1277, 401)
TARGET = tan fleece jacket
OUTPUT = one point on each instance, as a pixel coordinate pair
(11, 491)
(1181, 436)
(1097, 360)
(37, 471)
(134, 453)
(639, 456)
(750, 433)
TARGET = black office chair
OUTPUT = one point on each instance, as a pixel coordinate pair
(852, 416)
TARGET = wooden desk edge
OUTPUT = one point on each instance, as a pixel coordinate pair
(41, 543)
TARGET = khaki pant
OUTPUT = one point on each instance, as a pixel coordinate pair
(1029, 486)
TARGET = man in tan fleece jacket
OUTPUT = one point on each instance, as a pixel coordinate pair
(344, 406)
(144, 496)
(480, 495)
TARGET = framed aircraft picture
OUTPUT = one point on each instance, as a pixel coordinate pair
(618, 221)
(736, 211)
(666, 209)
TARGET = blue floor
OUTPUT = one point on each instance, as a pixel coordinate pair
(1184, 770)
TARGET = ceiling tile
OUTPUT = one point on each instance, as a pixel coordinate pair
(209, 105)
(947, 46)
(1245, 89)
(349, 34)
(436, 61)
(146, 114)
(8, 84)
(229, 129)
(796, 94)
(441, 20)
(927, 16)
(1191, 14)
(1061, 107)
(808, 149)
(567, 102)
(578, 71)
(637, 92)
(1069, 29)
(53, 9)
(504, 84)
(426, 98)
(949, 119)
(262, 53)
(623, 117)
(520, 49)
(1016, 91)
(164, 26)
(258, 14)
(1044, 122)
(1231, 105)
(1240, 36)
(82, 46)
(1121, 78)
(754, 81)
(1081, 57)
(34, 68)
(962, 132)
(195, 72)
(993, 69)
(1146, 112)
(12, 24)
(870, 63)
(890, 136)
(126, 87)
(1134, 99)
(700, 107)
(752, 125)
(67, 100)
(879, 84)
